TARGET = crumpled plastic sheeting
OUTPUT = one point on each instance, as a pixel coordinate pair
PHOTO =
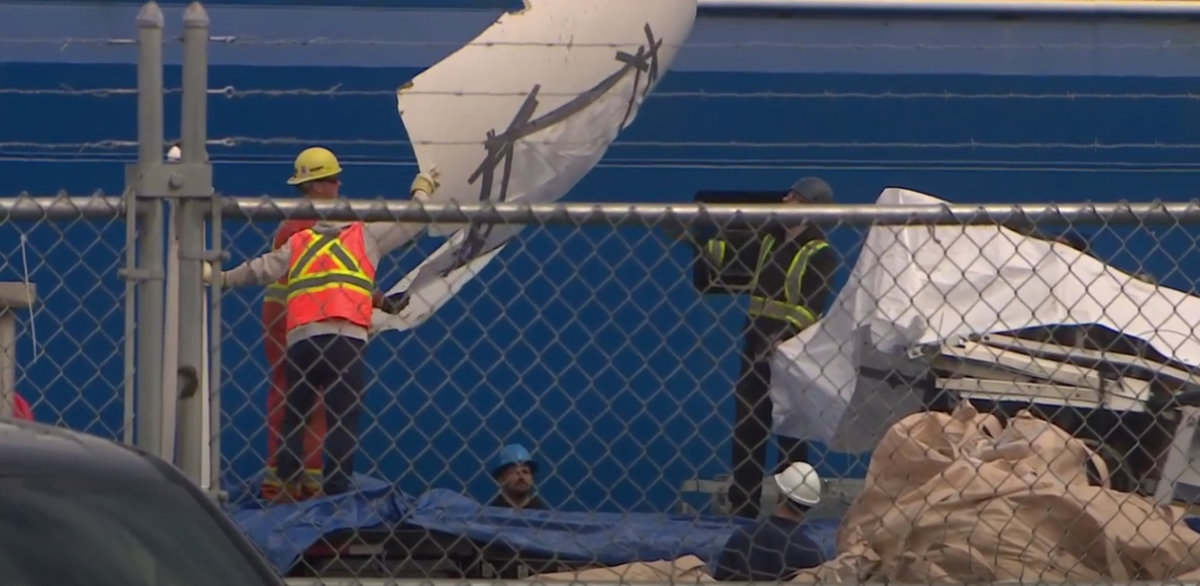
(284, 532)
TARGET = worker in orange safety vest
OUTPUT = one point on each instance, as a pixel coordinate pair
(322, 184)
(274, 319)
(323, 279)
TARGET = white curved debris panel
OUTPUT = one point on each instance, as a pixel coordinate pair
(928, 284)
(521, 114)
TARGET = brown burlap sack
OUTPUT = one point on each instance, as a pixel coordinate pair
(955, 499)
(913, 452)
(853, 566)
(687, 569)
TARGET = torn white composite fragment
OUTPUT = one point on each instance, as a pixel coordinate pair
(522, 114)
(916, 285)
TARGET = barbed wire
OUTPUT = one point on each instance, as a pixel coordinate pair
(234, 141)
(322, 41)
(336, 90)
(699, 163)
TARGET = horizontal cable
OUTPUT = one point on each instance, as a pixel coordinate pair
(333, 91)
(235, 141)
(749, 165)
(697, 163)
(617, 161)
(321, 41)
(611, 214)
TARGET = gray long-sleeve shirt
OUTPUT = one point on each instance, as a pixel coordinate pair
(381, 238)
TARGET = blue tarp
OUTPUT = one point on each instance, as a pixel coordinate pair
(283, 532)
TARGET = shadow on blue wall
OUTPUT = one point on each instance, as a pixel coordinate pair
(589, 345)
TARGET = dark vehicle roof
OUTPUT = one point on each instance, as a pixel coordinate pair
(32, 448)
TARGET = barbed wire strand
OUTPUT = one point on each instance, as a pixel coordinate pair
(333, 91)
(697, 163)
(235, 141)
(322, 41)
(737, 165)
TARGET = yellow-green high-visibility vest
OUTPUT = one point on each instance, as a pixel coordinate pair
(791, 308)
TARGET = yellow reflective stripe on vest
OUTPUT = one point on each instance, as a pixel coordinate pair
(797, 315)
(300, 280)
(796, 271)
(714, 252)
(276, 292)
(764, 252)
(791, 309)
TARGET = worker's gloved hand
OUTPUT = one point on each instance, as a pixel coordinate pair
(394, 305)
(391, 305)
(210, 275)
(424, 185)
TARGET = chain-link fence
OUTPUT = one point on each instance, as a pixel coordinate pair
(597, 341)
(62, 271)
(600, 345)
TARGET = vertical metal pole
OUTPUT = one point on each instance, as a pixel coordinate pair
(129, 417)
(214, 352)
(8, 360)
(150, 237)
(13, 296)
(193, 430)
(216, 245)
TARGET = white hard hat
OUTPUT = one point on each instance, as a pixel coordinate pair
(801, 483)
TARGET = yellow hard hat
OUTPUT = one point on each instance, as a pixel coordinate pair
(313, 164)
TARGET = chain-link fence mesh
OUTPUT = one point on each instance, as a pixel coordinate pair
(70, 344)
(609, 352)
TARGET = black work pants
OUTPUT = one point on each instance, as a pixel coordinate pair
(752, 422)
(334, 363)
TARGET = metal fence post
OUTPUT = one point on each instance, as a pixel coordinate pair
(195, 190)
(13, 296)
(214, 352)
(145, 208)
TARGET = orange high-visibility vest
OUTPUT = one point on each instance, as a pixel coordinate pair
(277, 291)
(330, 278)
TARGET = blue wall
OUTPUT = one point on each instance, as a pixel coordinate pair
(604, 359)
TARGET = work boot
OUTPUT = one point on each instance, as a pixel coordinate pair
(289, 493)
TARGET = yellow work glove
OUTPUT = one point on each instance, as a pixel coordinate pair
(210, 275)
(424, 185)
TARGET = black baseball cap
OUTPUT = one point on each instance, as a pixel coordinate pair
(812, 190)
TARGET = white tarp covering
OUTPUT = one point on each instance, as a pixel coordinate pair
(522, 113)
(923, 284)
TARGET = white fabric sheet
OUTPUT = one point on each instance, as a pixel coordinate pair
(926, 284)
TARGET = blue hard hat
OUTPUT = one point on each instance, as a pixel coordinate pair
(511, 455)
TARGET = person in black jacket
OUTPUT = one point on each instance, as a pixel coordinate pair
(792, 271)
(774, 549)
